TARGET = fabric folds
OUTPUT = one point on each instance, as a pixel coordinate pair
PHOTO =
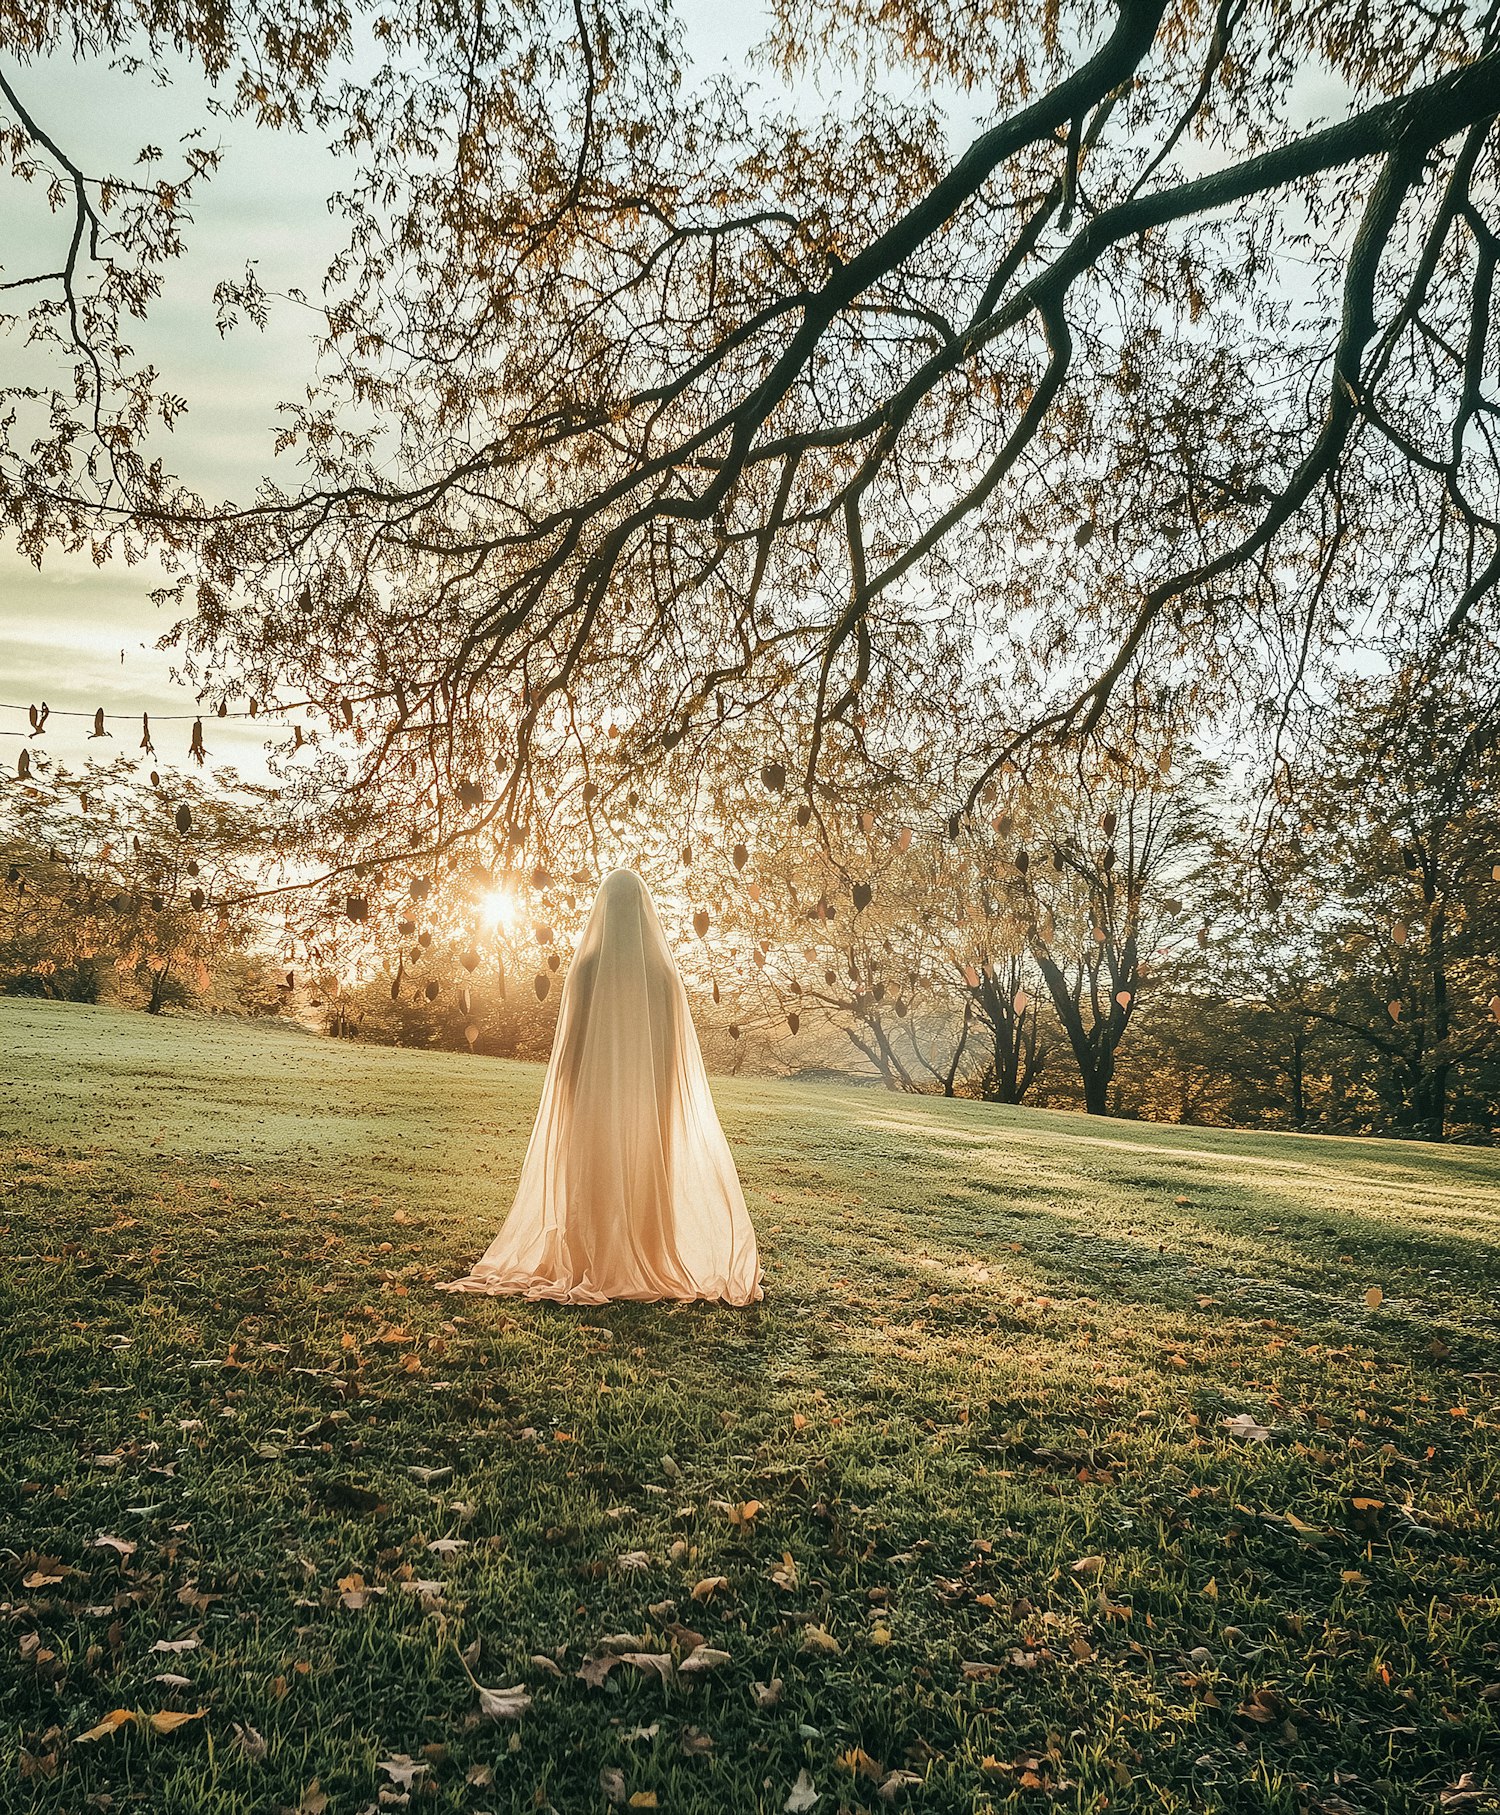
(628, 1189)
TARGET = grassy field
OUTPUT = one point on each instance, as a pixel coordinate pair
(956, 1521)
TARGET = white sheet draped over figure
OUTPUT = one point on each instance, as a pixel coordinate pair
(628, 1189)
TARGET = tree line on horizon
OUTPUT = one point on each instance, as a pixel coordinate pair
(1130, 934)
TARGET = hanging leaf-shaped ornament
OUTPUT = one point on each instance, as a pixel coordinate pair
(741, 856)
(183, 819)
(794, 1022)
(1020, 1002)
(470, 960)
(1393, 1009)
(471, 1034)
(1023, 861)
(774, 776)
(396, 980)
(867, 821)
(804, 815)
(1495, 1007)
(430, 990)
(197, 898)
(716, 989)
(23, 766)
(541, 983)
(1124, 998)
(553, 961)
(1108, 821)
(465, 1001)
(196, 749)
(146, 743)
(357, 907)
(734, 1032)
(754, 891)
(419, 887)
(701, 923)
(863, 896)
(98, 730)
(1398, 933)
(903, 839)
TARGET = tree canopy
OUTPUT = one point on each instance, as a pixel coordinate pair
(1093, 382)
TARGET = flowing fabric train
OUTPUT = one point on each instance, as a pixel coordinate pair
(628, 1189)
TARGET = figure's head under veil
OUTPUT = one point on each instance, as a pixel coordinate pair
(628, 1189)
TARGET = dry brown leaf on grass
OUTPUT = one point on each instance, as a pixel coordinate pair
(112, 1723)
(695, 1743)
(123, 1547)
(503, 1704)
(643, 1799)
(248, 1742)
(858, 1763)
(168, 1720)
(785, 1574)
(895, 1782)
(701, 1658)
(402, 1769)
(767, 1695)
(1087, 1566)
(709, 1587)
(1247, 1429)
(803, 1794)
(612, 1783)
(740, 1512)
(652, 1663)
(819, 1638)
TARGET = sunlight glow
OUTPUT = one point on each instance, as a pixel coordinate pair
(499, 910)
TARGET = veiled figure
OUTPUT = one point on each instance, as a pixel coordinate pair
(628, 1189)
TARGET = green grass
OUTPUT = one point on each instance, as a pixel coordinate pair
(982, 1409)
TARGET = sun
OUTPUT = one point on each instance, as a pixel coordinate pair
(499, 910)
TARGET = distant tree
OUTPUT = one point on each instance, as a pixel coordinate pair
(1392, 871)
(152, 877)
(1106, 854)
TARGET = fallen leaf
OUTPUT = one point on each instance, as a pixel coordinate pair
(1087, 1566)
(167, 1720)
(894, 1783)
(767, 1695)
(249, 1743)
(709, 1587)
(1373, 1297)
(1246, 1428)
(504, 1704)
(819, 1638)
(612, 1782)
(704, 1657)
(112, 1723)
(401, 1769)
(643, 1799)
(104, 1541)
(802, 1796)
